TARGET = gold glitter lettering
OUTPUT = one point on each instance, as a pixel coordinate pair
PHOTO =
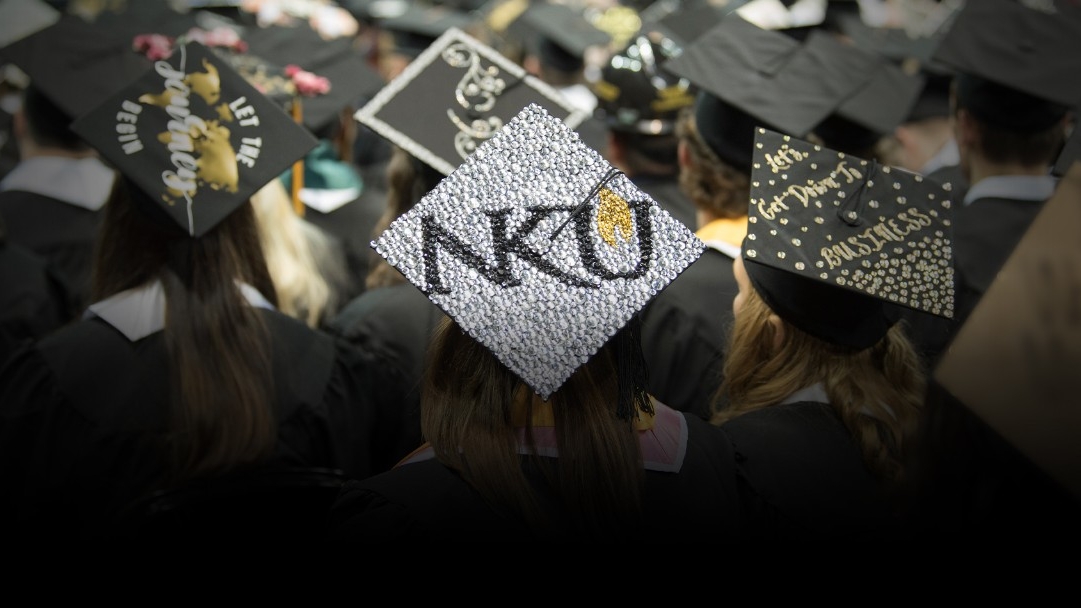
(613, 213)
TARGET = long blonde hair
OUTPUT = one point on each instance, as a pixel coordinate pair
(877, 392)
(308, 272)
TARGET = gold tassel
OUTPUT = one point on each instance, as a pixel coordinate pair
(298, 167)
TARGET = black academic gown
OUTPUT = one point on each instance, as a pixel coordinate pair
(687, 498)
(397, 321)
(33, 300)
(954, 176)
(684, 331)
(667, 193)
(802, 478)
(83, 414)
(63, 234)
(351, 226)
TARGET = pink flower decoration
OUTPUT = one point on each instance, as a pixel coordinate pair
(154, 46)
(307, 83)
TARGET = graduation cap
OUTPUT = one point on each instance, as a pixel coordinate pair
(636, 94)
(933, 100)
(562, 35)
(538, 248)
(834, 240)
(500, 24)
(1014, 361)
(873, 110)
(420, 24)
(348, 75)
(75, 64)
(894, 43)
(296, 44)
(456, 94)
(684, 22)
(1017, 65)
(195, 137)
(757, 77)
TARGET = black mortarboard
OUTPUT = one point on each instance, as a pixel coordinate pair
(781, 83)
(685, 22)
(420, 24)
(910, 41)
(832, 240)
(350, 78)
(933, 100)
(1071, 153)
(296, 44)
(885, 101)
(269, 58)
(456, 94)
(75, 64)
(501, 25)
(874, 109)
(1017, 65)
(538, 248)
(195, 137)
(562, 34)
(1015, 361)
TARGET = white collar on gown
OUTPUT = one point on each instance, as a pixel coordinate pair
(139, 312)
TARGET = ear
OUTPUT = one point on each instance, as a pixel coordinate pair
(964, 128)
(684, 154)
(778, 327)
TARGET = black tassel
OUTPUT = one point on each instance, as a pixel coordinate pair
(633, 396)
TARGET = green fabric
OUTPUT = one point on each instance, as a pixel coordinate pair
(323, 170)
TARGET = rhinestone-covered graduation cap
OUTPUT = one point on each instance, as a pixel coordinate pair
(195, 136)
(455, 95)
(831, 238)
(538, 248)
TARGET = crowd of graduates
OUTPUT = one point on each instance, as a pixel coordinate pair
(540, 270)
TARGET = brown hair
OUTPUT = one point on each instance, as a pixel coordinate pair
(712, 184)
(1029, 148)
(877, 392)
(466, 416)
(408, 180)
(218, 348)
